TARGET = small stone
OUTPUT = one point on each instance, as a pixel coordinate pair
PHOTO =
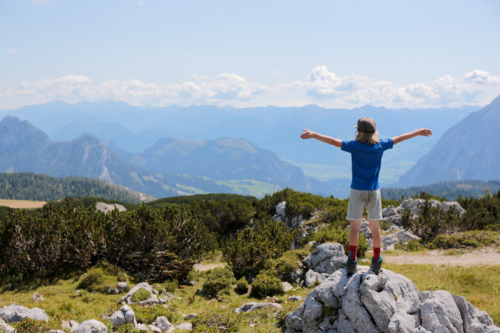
(154, 328)
(190, 316)
(37, 297)
(286, 286)
(295, 299)
(163, 324)
(92, 326)
(184, 327)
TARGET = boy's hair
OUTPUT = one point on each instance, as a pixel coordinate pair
(369, 138)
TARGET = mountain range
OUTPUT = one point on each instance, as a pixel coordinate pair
(277, 129)
(168, 168)
(469, 150)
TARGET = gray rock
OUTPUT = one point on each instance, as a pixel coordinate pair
(281, 208)
(122, 286)
(475, 321)
(37, 297)
(92, 326)
(141, 327)
(446, 205)
(286, 286)
(153, 300)
(295, 299)
(312, 277)
(184, 327)
(389, 211)
(123, 316)
(252, 306)
(153, 328)
(440, 313)
(190, 316)
(6, 327)
(57, 331)
(326, 258)
(14, 313)
(388, 303)
(163, 324)
(405, 236)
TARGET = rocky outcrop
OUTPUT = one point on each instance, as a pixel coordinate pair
(14, 313)
(387, 303)
(294, 222)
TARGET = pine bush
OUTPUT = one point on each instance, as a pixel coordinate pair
(247, 252)
(219, 281)
(266, 285)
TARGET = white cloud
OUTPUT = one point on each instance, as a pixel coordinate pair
(140, 3)
(476, 87)
(11, 50)
(279, 72)
(321, 87)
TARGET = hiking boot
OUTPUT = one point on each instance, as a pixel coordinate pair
(350, 265)
(376, 265)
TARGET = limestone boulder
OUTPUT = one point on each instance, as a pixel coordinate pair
(384, 303)
(14, 313)
(92, 326)
(326, 258)
(123, 316)
(252, 306)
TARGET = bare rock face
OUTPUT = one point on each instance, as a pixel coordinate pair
(123, 316)
(384, 303)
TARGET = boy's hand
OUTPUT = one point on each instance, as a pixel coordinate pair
(424, 132)
(307, 134)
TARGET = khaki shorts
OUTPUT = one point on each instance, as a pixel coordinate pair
(358, 199)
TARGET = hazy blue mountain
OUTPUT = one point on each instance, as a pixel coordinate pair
(470, 150)
(221, 159)
(104, 131)
(273, 128)
(23, 147)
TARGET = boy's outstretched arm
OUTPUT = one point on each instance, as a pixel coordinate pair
(406, 136)
(323, 138)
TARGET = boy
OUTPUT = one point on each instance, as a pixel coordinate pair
(366, 155)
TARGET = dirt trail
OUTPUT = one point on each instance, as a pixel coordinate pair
(206, 267)
(22, 203)
(487, 257)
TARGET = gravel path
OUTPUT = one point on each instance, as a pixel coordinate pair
(489, 256)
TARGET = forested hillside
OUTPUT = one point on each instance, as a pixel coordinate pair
(39, 187)
(450, 190)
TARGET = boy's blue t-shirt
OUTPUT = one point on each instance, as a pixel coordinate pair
(366, 162)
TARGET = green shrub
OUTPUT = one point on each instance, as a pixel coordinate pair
(219, 281)
(127, 328)
(341, 236)
(151, 244)
(464, 239)
(242, 286)
(411, 246)
(431, 221)
(289, 262)
(29, 325)
(266, 285)
(96, 280)
(247, 253)
(140, 295)
(170, 286)
(217, 320)
(148, 314)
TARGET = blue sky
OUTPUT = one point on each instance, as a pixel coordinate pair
(248, 53)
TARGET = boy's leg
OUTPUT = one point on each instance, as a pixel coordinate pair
(375, 230)
(353, 238)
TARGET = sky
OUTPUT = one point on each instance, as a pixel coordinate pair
(250, 53)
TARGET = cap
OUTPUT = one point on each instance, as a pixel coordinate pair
(366, 125)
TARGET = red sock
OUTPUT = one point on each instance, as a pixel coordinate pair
(352, 251)
(376, 253)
